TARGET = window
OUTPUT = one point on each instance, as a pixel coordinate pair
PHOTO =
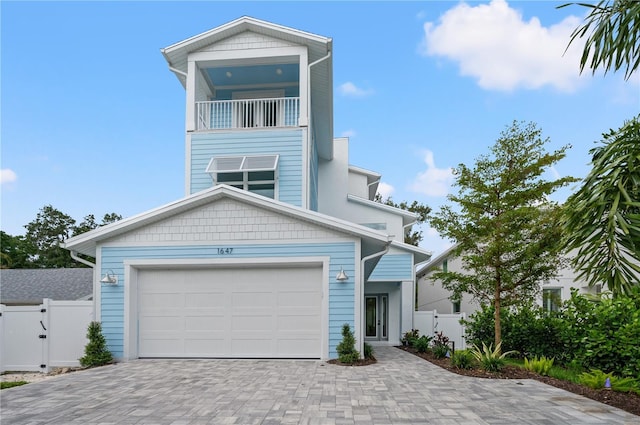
(445, 265)
(255, 173)
(551, 299)
(456, 306)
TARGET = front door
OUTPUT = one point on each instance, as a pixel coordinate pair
(376, 317)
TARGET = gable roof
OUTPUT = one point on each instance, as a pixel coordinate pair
(373, 240)
(176, 54)
(436, 261)
(31, 286)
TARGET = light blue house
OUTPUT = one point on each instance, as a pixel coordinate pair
(277, 242)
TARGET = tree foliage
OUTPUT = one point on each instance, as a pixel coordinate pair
(414, 236)
(14, 251)
(50, 228)
(612, 28)
(507, 232)
(603, 216)
(40, 246)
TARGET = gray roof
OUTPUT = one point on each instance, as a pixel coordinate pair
(31, 286)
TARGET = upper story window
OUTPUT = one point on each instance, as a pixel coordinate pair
(254, 173)
(551, 299)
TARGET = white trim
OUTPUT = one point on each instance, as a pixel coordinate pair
(218, 58)
(257, 94)
(89, 239)
(132, 267)
(378, 205)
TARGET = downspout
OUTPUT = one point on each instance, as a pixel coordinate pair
(322, 59)
(362, 279)
(311, 127)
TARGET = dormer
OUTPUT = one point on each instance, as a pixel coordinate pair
(252, 86)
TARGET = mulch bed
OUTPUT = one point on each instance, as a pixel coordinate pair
(629, 402)
(361, 362)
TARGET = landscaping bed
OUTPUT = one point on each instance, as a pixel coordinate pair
(629, 402)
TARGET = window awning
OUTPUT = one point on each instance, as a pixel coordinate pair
(230, 164)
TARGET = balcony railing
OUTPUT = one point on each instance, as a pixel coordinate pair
(248, 113)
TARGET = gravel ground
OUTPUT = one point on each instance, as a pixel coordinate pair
(34, 376)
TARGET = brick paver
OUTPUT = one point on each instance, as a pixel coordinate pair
(399, 389)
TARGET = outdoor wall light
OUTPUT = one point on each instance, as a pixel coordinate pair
(342, 276)
(110, 278)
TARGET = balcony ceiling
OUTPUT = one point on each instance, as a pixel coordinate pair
(255, 75)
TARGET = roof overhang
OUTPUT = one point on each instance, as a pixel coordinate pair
(408, 217)
(87, 243)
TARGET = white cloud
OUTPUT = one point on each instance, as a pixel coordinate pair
(351, 90)
(7, 176)
(385, 190)
(492, 43)
(348, 133)
(433, 181)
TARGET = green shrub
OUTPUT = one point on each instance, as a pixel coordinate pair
(440, 345)
(95, 352)
(368, 351)
(440, 351)
(541, 365)
(410, 337)
(597, 379)
(422, 344)
(462, 359)
(608, 332)
(346, 349)
(490, 359)
(527, 329)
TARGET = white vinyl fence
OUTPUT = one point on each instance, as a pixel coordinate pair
(431, 322)
(38, 338)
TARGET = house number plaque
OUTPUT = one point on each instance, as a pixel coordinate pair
(225, 251)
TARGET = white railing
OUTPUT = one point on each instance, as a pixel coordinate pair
(248, 113)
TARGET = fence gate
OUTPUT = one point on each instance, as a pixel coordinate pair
(37, 338)
(24, 338)
(430, 322)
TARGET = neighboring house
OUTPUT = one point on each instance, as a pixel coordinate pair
(432, 296)
(31, 286)
(278, 241)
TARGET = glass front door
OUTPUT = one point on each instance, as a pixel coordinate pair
(376, 317)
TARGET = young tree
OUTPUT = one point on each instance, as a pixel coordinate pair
(414, 236)
(507, 231)
(603, 216)
(613, 42)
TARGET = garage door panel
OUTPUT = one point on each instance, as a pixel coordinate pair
(253, 322)
(204, 323)
(161, 300)
(249, 312)
(161, 323)
(204, 299)
(308, 323)
(205, 347)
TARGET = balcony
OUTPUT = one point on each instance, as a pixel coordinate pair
(248, 113)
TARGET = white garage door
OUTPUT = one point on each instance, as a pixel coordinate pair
(250, 312)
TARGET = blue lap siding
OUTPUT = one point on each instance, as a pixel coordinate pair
(341, 295)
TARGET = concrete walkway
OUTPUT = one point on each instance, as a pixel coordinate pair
(399, 389)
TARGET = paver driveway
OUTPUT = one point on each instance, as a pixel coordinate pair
(399, 389)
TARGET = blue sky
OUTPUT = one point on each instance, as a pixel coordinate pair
(92, 120)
